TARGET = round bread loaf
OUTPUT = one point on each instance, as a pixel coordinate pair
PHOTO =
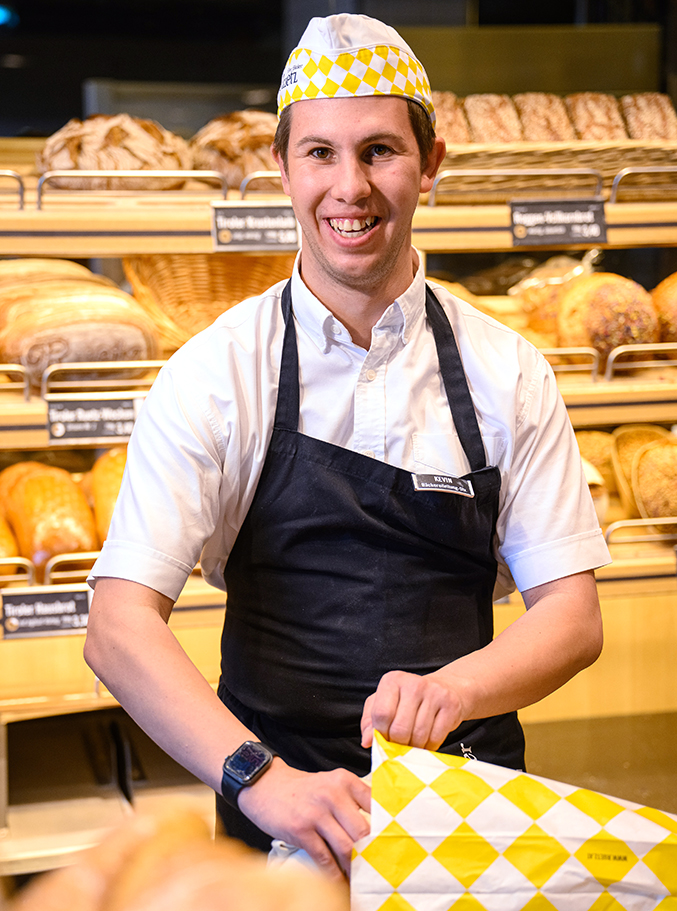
(603, 311)
(664, 297)
(237, 144)
(117, 142)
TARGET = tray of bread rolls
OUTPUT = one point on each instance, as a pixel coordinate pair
(541, 130)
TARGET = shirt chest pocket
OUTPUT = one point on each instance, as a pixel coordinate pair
(442, 453)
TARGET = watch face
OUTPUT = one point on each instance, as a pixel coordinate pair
(247, 761)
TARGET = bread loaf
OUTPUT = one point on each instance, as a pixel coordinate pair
(237, 144)
(106, 478)
(53, 322)
(649, 116)
(114, 142)
(49, 515)
(544, 117)
(595, 446)
(8, 547)
(654, 481)
(171, 863)
(596, 116)
(492, 118)
(603, 310)
(664, 297)
(35, 269)
(451, 122)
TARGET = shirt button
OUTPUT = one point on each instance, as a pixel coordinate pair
(371, 375)
(369, 453)
(336, 329)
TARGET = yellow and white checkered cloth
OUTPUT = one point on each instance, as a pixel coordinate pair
(454, 833)
(345, 56)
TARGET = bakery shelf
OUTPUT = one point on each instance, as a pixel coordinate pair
(180, 222)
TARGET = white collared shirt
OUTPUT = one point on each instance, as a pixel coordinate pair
(199, 443)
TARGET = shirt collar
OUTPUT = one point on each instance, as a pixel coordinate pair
(323, 327)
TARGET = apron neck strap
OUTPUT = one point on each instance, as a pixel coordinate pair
(455, 383)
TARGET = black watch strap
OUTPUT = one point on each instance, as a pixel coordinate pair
(243, 767)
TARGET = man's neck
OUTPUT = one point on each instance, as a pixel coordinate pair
(360, 309)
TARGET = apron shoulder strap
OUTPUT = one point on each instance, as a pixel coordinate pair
(288, 397)
(455, 383)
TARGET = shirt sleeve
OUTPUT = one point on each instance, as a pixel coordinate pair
(170, 494)
(547, 527)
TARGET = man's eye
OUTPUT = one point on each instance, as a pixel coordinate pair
(320, 153)
(378, 151)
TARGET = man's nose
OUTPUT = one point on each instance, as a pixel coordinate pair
(351, 181)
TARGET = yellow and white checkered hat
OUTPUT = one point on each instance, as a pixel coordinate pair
(347, 55)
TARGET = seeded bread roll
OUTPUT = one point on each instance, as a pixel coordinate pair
(650, 116)
(596, 116)
(451, 120)
(114, 142)
(544, 117)
(603, 310)
(492, 118)
(237, 144)
(664, 297)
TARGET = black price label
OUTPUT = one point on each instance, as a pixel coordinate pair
(254, 228)
(91, 421)
(43, 612)
(569, 221)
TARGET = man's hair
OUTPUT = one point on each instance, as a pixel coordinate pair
(418, 117)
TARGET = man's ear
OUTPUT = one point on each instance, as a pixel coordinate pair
(283, 171)
(433, 163)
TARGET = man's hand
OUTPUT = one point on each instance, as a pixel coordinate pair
(413, 710)
(318, 811)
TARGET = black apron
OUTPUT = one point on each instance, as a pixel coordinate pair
(342, 571)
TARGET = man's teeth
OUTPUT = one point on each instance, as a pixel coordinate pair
(349, 227)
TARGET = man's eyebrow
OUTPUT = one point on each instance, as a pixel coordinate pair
(382, 136)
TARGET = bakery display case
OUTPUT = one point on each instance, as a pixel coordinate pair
(160, 234)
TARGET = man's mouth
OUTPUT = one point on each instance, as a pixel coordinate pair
(353, 227)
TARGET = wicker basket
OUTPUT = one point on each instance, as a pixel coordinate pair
(606, 157)
(185, 293)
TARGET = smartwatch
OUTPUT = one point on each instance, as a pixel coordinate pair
(243, 767)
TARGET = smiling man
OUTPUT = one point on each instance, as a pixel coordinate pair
(362, 461)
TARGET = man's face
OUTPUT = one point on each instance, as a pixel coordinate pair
(354, 178)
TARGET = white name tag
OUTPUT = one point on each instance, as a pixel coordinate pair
(443, 482)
